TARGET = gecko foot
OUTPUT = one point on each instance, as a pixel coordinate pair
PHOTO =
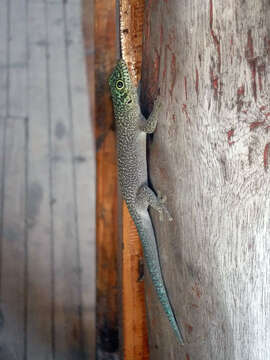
(163, 209)
(146, 197)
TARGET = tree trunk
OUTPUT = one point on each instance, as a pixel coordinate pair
(210, 62)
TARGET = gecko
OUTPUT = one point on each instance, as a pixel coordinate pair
(131, 132)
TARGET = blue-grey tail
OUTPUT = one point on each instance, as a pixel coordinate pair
(147, 236)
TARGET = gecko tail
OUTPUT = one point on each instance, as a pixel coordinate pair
(150, 250)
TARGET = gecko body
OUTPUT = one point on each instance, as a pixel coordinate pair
(132, 129)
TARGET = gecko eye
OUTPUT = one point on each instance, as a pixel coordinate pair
(129, 101)
(119, 84)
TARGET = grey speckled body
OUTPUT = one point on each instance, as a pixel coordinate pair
(132, 129)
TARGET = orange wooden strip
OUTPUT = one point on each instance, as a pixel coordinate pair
(135, 339)
(135, 346)
(106, 203)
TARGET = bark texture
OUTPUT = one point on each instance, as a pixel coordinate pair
(210, 62)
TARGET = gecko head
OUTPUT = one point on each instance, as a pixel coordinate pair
(122, 90)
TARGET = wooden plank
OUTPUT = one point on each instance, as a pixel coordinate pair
(210, 156)
(2, 184)
(88, 38)
(3, 56)
(17, 96)
(135, 339)
(67, 317)
(13, 244)
(106, 210)
(84, 166)
(40, 267)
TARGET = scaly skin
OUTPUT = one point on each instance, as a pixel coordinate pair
(132, 128)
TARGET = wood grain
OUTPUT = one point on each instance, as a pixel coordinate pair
(17, 50)
(3, 56)
(13, 242)
(84, 171)
(106, 177)
(87, 16)
(68, 339)
(210, 156)
(39, 218)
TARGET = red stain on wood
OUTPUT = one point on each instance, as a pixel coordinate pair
(161, 37)
(261, 72)
(265, 156)
(252, 61)
(230, 134)
(147, 24)
(211, 14)
(197, 290)
(165, 65)
(185, 83)
(231, 48)
(156, 67)
(241, 90)
(214, 36)
(189, 328)
(240, 94)
(187, 357)
(173, 74)
(256, 124)
(184, 109)
(195, 306)
(168, 47)
(214, 82)
(197, 83)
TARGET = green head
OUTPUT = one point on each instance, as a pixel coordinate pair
(124, 94)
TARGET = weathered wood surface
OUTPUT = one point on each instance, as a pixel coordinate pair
(84, 169)
(13, 241)
(210, 61)
(40, 291)
(89, 49)
(3, 56)
(107, 336)
(134, 338)
(47, 222)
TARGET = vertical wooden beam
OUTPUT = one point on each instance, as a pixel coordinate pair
(134, 336)
(132, 306)
(106, 208)
(210, 155)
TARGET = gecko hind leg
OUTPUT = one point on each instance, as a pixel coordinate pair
(146, 197)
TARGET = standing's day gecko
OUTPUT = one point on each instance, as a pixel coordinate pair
(132, 128)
